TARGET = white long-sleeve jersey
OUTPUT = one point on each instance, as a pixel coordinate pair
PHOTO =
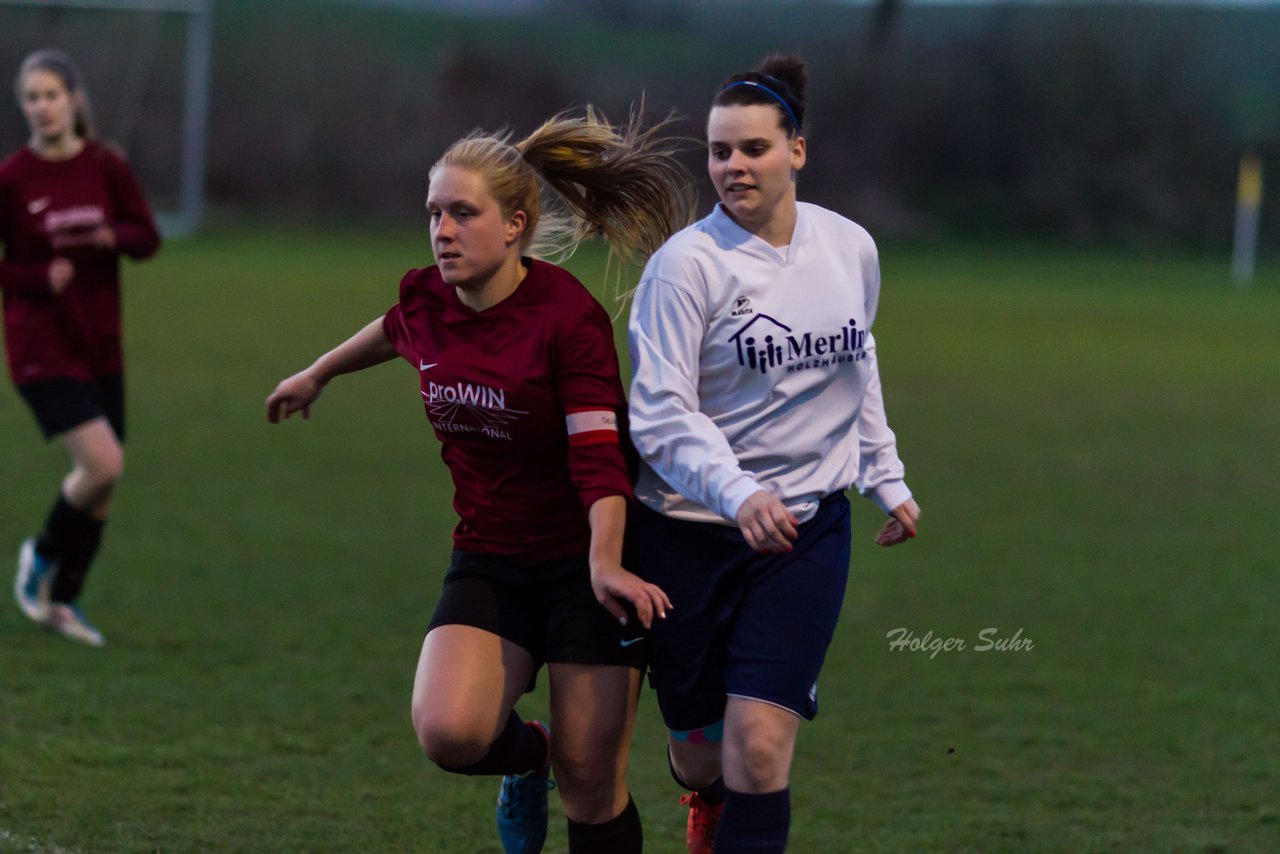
(755, 368)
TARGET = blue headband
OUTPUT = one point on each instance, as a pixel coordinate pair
(795, 123)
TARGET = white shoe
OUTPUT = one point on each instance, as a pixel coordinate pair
(68, 620)
(31, 584)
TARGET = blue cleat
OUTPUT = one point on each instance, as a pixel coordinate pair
(32, 583)
(522, 805)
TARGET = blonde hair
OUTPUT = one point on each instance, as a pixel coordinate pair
(623, 183)
(58, 63)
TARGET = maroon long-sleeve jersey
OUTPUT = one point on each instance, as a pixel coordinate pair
(526, 399)
(49, 209)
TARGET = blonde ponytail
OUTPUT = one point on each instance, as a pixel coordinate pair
(624, 183)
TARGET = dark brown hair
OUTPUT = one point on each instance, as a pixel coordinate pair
(779, 81)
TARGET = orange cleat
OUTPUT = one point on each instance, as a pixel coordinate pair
(700, 835)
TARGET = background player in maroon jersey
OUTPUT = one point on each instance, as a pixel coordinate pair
(519, 377)
(69, 208)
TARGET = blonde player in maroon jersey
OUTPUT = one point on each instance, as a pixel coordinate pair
(69, 208)
(518, 373)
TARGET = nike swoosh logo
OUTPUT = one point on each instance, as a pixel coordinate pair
(630, 642)
(38, 205)
(422, 366)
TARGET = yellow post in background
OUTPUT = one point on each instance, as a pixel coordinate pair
(1248, 207)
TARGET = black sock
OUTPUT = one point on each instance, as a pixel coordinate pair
(68, 581)
(519, 748)
(60, 528)
(713, 793)
(754, 824)
(619, 835)
(70, 539)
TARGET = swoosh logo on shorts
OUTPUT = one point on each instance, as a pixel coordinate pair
(630, 642)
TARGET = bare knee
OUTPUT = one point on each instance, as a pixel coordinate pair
(449, 743)
(589, 786)
(100, 474)
(111, 469)
(759, 758)
(696, 764)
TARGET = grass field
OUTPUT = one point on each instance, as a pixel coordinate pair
(1092, 436)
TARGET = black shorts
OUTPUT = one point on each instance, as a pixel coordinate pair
(545, 608)
(62, 403)
(744, 624)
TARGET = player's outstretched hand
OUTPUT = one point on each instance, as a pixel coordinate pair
(767, 525)
(104, 237)
(901, 525)
(614, 586)
(296, 394)
(61, 272)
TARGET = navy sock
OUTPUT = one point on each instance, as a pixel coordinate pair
(754, 824)
(518, 749)
(619, 835)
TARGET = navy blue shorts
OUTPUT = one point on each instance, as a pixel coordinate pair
(742, 624)
(62, 403)
(547, 609)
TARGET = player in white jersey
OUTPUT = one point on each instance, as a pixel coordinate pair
(755, 404)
